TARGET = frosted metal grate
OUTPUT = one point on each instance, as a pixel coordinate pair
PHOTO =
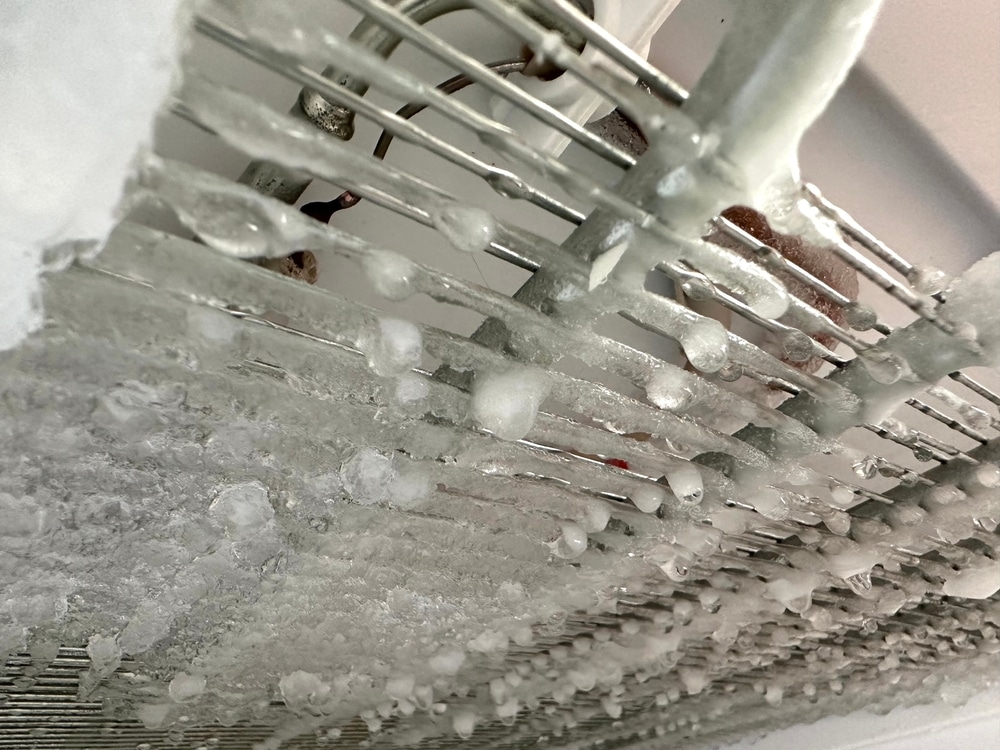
(566, 450)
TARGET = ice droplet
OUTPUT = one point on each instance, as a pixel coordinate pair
(730, 372)
(671, 389)
(105, 654)
(464, 724)
(929, 280)
(860, 583)
(686, 484)
(837, 521)
(797, 346)
(507, 404)
(867, 467)
(391, 274)
(974, 417)
(774, 694)
(794, 589)
(186, 686)
(772, 504)
(400, 686)
(367, 476)
(411, 387)
(300, 690)
(467, 228)
(648, 498)
(945, 494)
(572, 542)
(883, 367)
(447, 661)
(395, 349)
(979, 582)
(706, 345)
(243, 509)
(860, 317)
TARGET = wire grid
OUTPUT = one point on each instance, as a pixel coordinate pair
(41, 709)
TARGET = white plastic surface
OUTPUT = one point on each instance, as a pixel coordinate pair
(80, 83)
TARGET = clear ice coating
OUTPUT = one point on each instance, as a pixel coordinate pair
(312, 527)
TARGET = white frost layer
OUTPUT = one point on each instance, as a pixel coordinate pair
(80, 83)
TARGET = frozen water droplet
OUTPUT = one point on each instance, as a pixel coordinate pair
(698, 289)
(686, 483)
(842, 495)
(243, 509)
(930, 280)
(867, 467)
(411, 387)
(837, 521)
(730, 373)
(447, 661)
(860, 317)
(302, 690)
(464, 724)
(797, 346)
(860, 583)
(648, 498)
(978, 582)
(467, 228)
(974, 417)
(395, 348)
(883, 367)
(794, 589)
(671, 389)
(774, 694)
(186, 686)
(367, 476)
(572, 542)
(105, 654)
(507, 404)
(772, 503)
(676, 569)
(400, 686)
(945, 494)
(922, 454)
(897, 429)
(706, 345)
(391, 274)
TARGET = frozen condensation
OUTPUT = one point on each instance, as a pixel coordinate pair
(507, 403)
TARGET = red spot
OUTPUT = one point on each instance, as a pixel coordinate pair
(617, 463)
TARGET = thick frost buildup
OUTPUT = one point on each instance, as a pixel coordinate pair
(395, 348)
(507, 404)
(244, 509)
(186, 686)
(61, 183)
(368, 475)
